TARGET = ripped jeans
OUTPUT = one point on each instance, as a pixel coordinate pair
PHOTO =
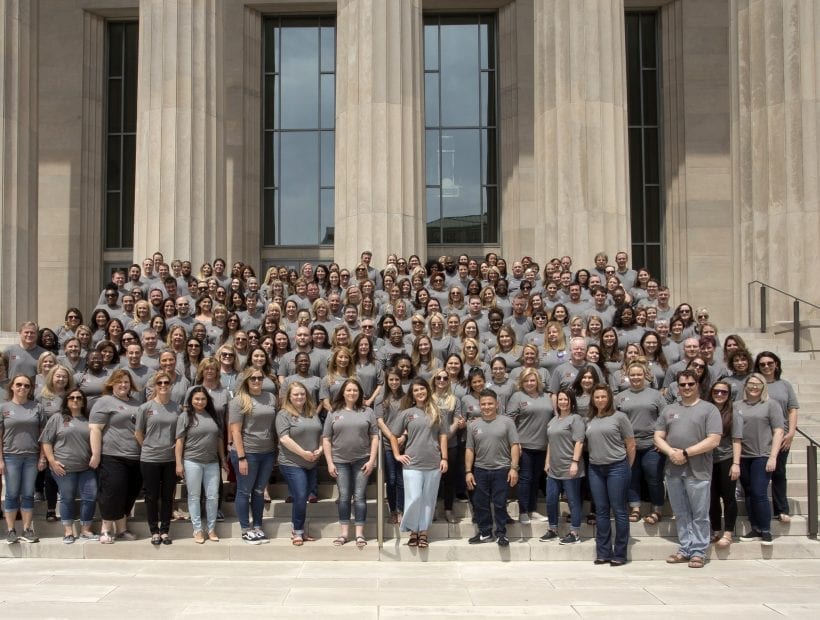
(250, 489)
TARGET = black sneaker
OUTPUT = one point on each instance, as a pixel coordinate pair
(220, 516)
(752, 535)
(250, 538)
(480, 538)
(570, 539)
(502, 541)
(29, 536)
(549, 535)
(261, 537)
(12, 537)
(766, 539)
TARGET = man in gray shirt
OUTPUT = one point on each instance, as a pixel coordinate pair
(23, 357)
(686, 433)
(491, 466)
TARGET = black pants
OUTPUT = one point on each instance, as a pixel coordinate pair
(120, 481)
(45, 484)
(722, 489)
(159, 481)
(447, 486)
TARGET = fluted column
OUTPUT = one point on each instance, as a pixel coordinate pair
(180, 170)
(775, 144)
(18, 162)
(580, 128)
(379, 132)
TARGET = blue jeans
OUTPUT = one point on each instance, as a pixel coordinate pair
(491, 489)
(532, 465)
(197, 475)
(690, 500)
(648, 465)
(420, 494)
(352, 482)
(86, 483)
(21, 474)
(395, 482)
(300, 484)
(755, 482)
(250, 489)
(609, 485)
(572, 488)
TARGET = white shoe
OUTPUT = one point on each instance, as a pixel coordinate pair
(524, 518)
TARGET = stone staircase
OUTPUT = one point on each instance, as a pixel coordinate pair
(448, 542)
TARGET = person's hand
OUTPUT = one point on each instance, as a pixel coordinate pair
(331, 469)
(404, 459)
(512, 477)
(573, 470)
(94, 462)
(470, 480)
(787, 442)
(309, 456)
(734, 472)
(180, 471)
(443, 465)
(58, 469)
(368, 467)
(771, 464)
(2, 467)
(677, 457)
(41, 464)
(243, 468)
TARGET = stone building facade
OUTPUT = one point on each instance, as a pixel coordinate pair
(715, 188)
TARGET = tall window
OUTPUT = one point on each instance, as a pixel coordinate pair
(121, 128)
(461, 139)
(299, 111)
(643, 105)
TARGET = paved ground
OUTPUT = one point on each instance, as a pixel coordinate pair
(90, 589)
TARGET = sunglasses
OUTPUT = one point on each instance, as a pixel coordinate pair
(75, 398)
(256, 378)
(686, 384)
(720, 392)
(163, 383)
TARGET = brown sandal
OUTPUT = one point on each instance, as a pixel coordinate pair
(634, 515)
(724, 543)
(423, 544)
(413, 541)
(653, 518)
(677, 558)
(696, 561)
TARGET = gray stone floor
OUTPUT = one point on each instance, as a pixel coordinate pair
(89, 589)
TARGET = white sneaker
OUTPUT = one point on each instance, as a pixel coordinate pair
(524, 519)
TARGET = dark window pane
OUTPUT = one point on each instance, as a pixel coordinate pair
(328, 112)
(268, 159)
(112, 220)
(653, 259)
(116, 35)
(269, 217)
(131, 63)
(651, 155)
(484, 53)
(489, 157)
(635, 161)
(114, 163)
(299, 66)
(431, 157)
(488, 98)
(638, 255)
(652, 210)
(269, 99)
(431, 116)
(492, 211)
(328, 36)
(650, 97)
(326, 225)
(270, 44)
(431, 48)
(459, 76)
(648, 47)
(328, 139)
(636, 215)
(114, 105)
(433, 209)
(299, 188)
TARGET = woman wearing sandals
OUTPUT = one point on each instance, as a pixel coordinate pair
(725, 467)
(350, 440)
(115, 450)
(155, 430)
(642, 405)
(423, 461)
(66, 442)
(299, 431)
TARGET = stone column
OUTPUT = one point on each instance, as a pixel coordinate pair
(776, 146)
(18, 162)
(180, 168)
(379, 130)
(582, 193)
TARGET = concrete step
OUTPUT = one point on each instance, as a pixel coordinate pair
(520, 549)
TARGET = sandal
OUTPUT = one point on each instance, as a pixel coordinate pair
(166, 540)
(106, 538)
(635, 515)
(156, 540)
(653, 518)
(724, 542)
(297, 540)
(51, 516)
(361, 543)
(413, 541)
(423, 543)
(696, 561)
(394, 518)
(339, 541)
(677, 558)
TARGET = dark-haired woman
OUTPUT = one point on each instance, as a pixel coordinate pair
(200, 456)
(725, 467)
(350, 443)
(66, 442)
(388, 417)
(611, 454)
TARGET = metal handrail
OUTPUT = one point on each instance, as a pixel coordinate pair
(380, 495)
(811, 482)
(796, 301)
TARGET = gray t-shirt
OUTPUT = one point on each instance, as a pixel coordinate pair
(70, 441)
(158, 424)
(685, 426)
(201, 438)
(117, 418)
(564, 433)
(782, 392)
(564, 376)
(724, 449)
(370, 377)
(305, 431)
(423, 439)
(349, 433)
(23, 361)
(531, 416)
(642, 408)
(259, 425)
(21, 426)
(491, 442)
(312, 385)
(390, 410)
(758, 424)
(606, 438)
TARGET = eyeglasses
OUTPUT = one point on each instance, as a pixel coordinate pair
(687, 384)
(72, 316)
(75, 398)
(720, 392)
(368, 326)
(194, 345)
(754, 386)
(767, 364)
(166, 382)
(442, 378)
(256, 378)
(228, 355)
(696, 365)
(23, 385)
(703, 316)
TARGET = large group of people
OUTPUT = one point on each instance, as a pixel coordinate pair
(579, 383)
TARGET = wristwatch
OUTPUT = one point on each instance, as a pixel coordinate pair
(685, 453)
(241, 458)
(515, 467)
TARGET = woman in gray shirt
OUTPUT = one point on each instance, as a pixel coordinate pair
(299, 431)
(66, 442)
(200, 455)
(424, 460)
(350, 440)
(155, 430)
